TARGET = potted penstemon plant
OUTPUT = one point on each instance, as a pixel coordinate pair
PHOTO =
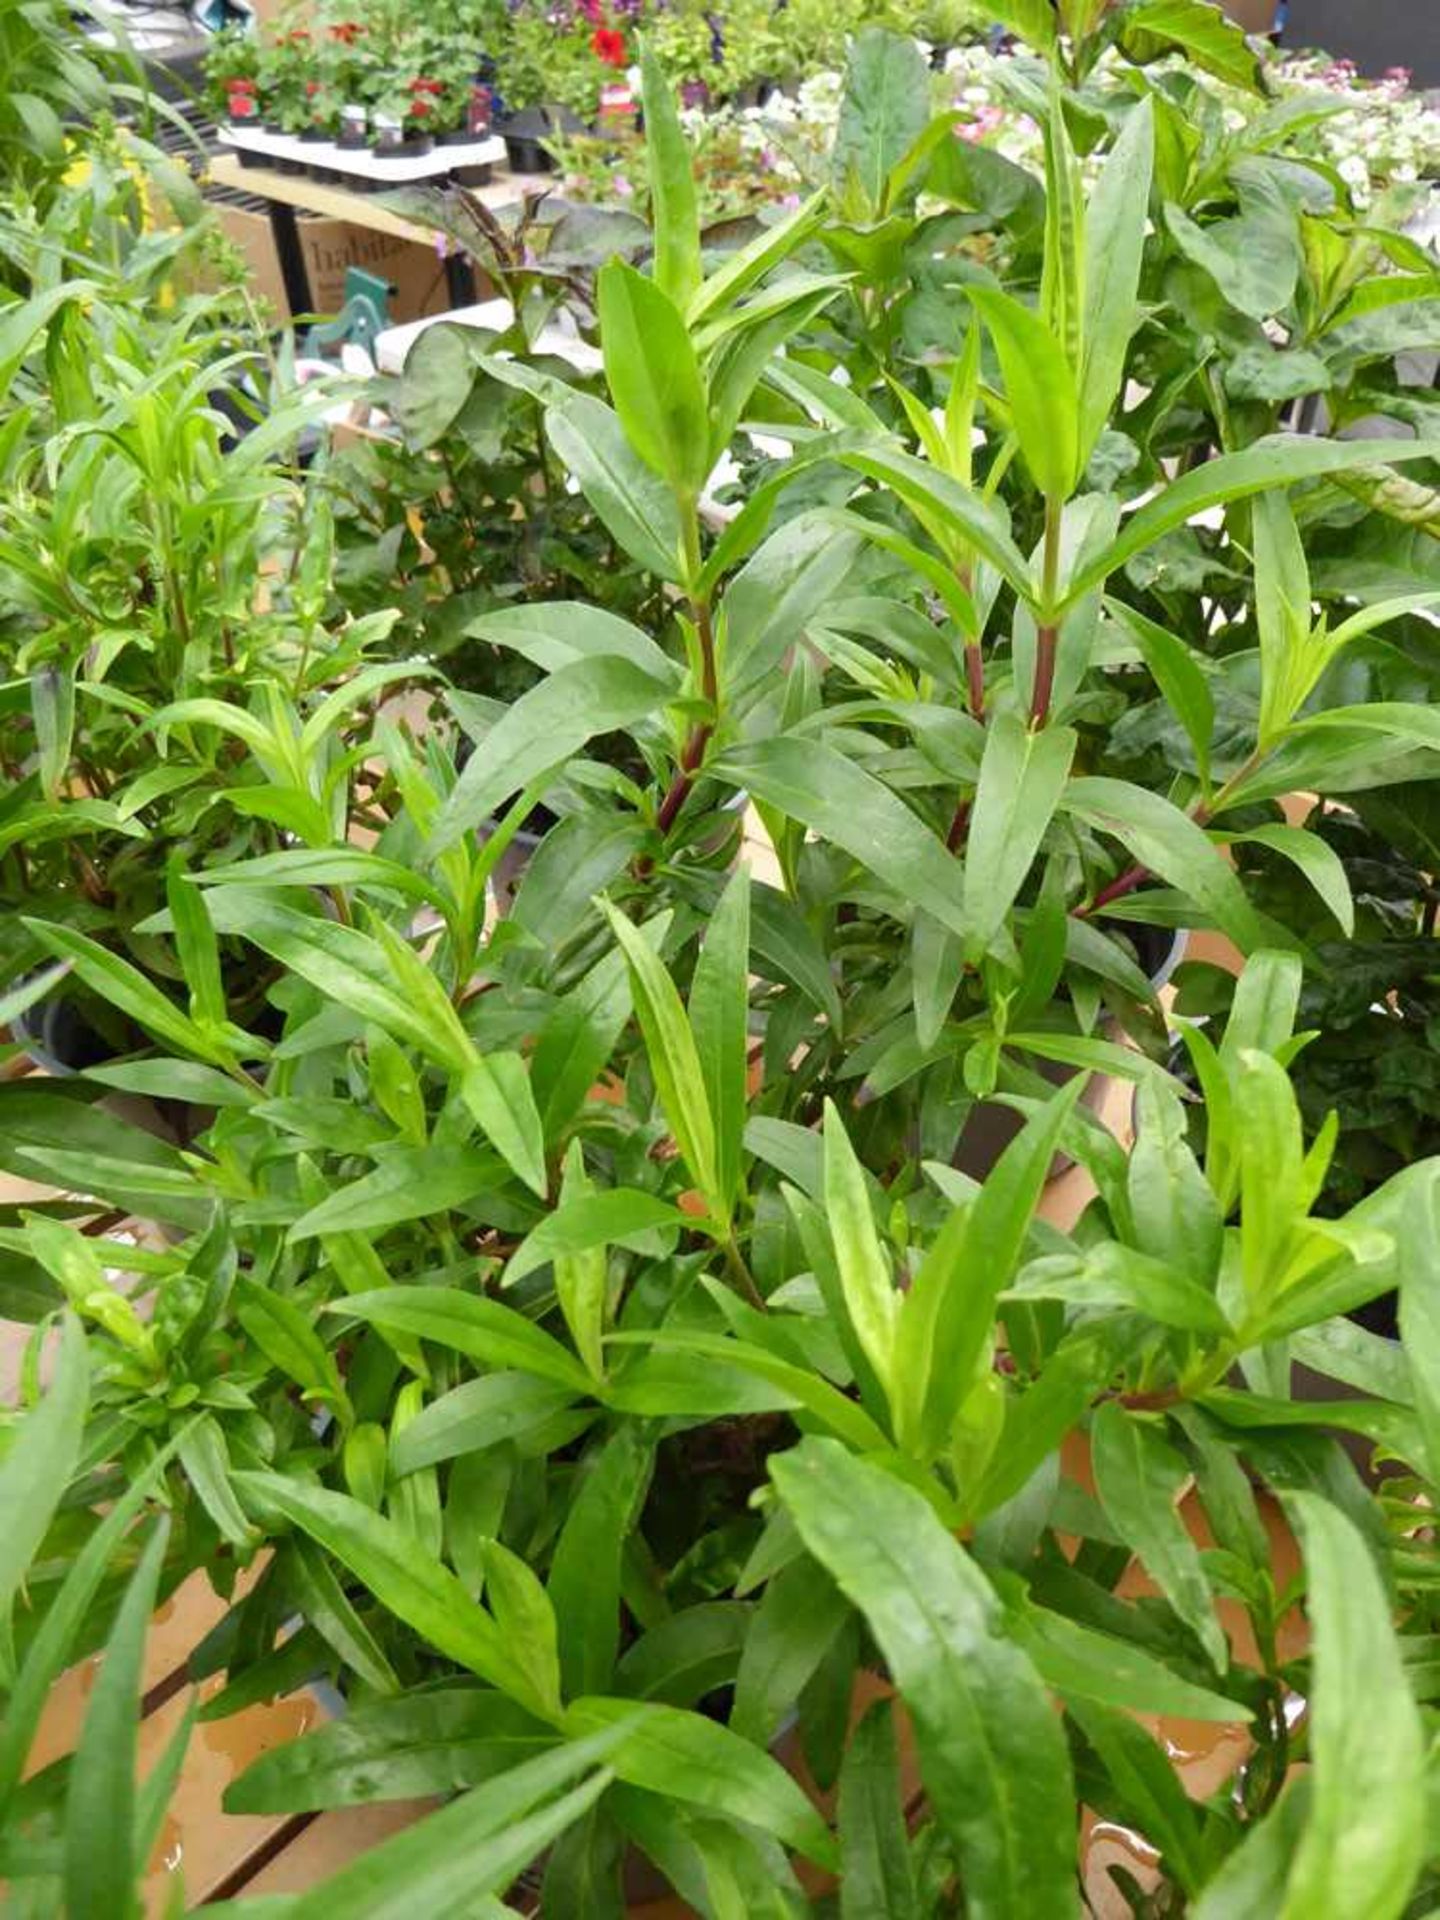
(146, 598)
(983, 881)
(608, 1336)
(911, 1432)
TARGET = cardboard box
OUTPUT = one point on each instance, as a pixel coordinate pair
(416, 272)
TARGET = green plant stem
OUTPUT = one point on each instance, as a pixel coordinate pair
(692, 754)
(1047, 636)
(741, 1277)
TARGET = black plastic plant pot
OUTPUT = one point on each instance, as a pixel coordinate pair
(527, 156)
(480, 176)
(59, 1039)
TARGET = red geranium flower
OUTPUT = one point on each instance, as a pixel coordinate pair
(420, 107)
(609, 45)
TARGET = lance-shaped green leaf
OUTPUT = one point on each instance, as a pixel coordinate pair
(991, 1752)
(1022, 776)
(1167, 842)
(325, 1605)
(1367, 1832)
(497, 1091)
(619, 1216)
(1115, 218)
(876, 1873)
(284, 1334)
(357, 969)
(125, 987)
(429, 1742)
(1313, 857)
(584, 1582)
(554, 633)
(581, 1278)
(1179, 677)
(798, 1386)
(839, 800)
(1040, 388)
(1142, 1774)
(973, 519)
(654, 376)
(1081, 1663)
(741, 269)
(699, 1762)
(100, 1863)
(799, 1615)
(868, 1288)
(485, 1330)
(719, 1012)
(543, 729)
(506, 1408)
(948, 1317)
(1420, 1314)
(454, 1861)
(206, 1460)
(1140, 1478)
(674, 210)
(1279, 460)
(674, 1060)
(37, 1467)
(52, 1644)
(405, 1579)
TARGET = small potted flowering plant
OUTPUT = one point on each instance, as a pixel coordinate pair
(349, 64)
(554, 65)
(402, 123)
(232, 67)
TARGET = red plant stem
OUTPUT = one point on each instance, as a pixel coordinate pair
(955, 838)
(1045, 649)
(678, 792)
(1117, 888)
(975, 678)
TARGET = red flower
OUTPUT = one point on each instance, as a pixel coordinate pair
(312, 86)
(609, 45)
(239, 86)
(420, 107)
(427, 86)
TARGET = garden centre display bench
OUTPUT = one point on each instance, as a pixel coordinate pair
(290, 194)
